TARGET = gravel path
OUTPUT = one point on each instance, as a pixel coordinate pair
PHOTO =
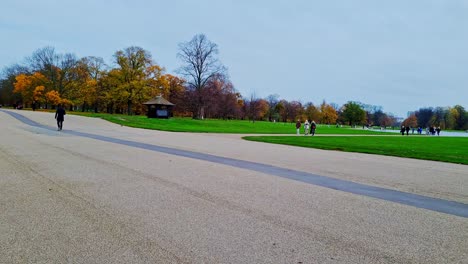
(66, 198)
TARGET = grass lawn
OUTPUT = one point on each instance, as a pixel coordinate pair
(447, 149)
(178, 124)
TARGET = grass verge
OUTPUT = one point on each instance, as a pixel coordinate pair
(446, 149)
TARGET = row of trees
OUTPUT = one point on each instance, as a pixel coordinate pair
(202, 89)
(445, 117)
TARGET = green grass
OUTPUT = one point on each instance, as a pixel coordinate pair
(447, 149)
(178, 124)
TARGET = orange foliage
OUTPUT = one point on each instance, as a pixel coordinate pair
(66, 102)
(328, 114)
(27, 86)
(38, 94)
(53, 97)
(411, 121)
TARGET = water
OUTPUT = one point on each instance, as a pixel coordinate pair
(442, 133)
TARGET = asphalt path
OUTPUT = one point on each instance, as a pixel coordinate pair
(66, 196)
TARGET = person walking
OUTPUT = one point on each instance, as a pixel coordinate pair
(298, 127)
(402, 130)
(313, 126)
(407, 130)
(306, 127)
(59, 115)
(438, 130)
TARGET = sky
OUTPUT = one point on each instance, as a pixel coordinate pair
(398, 54)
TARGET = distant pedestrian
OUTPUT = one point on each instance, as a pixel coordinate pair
(298, 127)
(402, 130)
(59, 115)
(438, 130)
(313, 126)
(407, 130)
(306, 127)
(412, 130)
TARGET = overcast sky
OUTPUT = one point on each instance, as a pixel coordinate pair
(401, 55)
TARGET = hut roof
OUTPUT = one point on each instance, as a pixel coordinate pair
(158, 100)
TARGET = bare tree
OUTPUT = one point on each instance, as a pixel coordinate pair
(201, 64)
(273, 100)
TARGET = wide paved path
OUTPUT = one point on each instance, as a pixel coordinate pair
(97, 192)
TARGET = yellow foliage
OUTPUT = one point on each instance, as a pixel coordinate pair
(23, 82)
(53, 97)
(66, 102)
(38, 93)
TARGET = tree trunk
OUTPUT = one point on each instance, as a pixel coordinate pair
(129, 107)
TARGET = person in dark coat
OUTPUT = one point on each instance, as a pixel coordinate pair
(438, 130)
(407, 130)
(298, 127)
(402, 130)
(313, 126)
(59, 115)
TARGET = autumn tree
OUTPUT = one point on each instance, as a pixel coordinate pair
(91, 71)
(133, 62)
(7, 83)
(411, 121)
(328, 114)
(200, 65)
(222, 98)
(26, 86)
(282, 109)
(312, 112)
(175, 93)
(53, 97)
(253, 107)
(460, 116)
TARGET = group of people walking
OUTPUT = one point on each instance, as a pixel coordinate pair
(429, 131)
(309, 128)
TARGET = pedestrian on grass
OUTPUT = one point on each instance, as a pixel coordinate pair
(402, 130)
(438, 130)
(59, 115)
(313, 126)
(407, 130)
(298, 127)
(306, 127)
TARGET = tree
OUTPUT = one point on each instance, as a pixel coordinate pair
(312, 112)
(272, 101)
(53, 97)
(353, 113)
(291, 111)
(133, 62)
(176, 92)
(7, 83)
(91, 70)
(385, 120)
(411, 121)
(253, 107)
(201, 64)
(328, 114)
(280, 108)
(424, 116)
(460, 116)
(26, 85)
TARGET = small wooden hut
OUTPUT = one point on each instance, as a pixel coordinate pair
(159, 107)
